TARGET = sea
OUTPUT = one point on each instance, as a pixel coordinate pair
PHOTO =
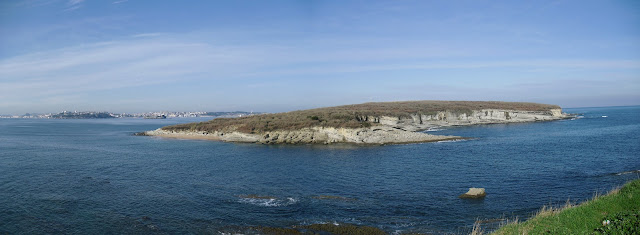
(93, 176)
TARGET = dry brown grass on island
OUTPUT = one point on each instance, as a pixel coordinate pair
(349, 116)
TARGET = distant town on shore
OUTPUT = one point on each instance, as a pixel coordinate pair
(148, 115)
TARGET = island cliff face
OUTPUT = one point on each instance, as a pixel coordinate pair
(418, 122)
(360, 127)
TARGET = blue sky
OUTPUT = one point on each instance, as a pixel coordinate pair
(136, 56)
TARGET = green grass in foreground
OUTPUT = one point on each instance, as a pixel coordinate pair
(621, 207)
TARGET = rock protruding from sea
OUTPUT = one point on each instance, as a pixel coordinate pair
(474, 193)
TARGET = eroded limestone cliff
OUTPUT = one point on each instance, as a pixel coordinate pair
(418, 122)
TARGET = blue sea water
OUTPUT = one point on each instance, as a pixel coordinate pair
(94, 176)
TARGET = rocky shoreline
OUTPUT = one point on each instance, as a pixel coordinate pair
(387, 130)
(316, 135)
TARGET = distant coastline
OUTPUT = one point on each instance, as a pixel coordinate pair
(369, 123)
(147, 115)
(83, 115)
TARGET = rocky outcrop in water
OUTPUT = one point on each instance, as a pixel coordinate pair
(474, 193)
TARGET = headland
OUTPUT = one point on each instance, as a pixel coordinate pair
(369, 123)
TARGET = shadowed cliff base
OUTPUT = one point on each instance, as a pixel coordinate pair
(368, 123)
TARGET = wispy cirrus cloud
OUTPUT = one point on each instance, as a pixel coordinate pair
(73, 5)
(150, 60)
(111, 65)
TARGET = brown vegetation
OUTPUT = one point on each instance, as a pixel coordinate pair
(349, 116)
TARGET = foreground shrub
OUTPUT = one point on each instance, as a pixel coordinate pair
(621, 223)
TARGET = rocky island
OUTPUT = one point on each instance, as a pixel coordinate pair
(368, 123)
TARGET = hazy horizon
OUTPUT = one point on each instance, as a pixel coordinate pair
(254, 111)
(137, 56)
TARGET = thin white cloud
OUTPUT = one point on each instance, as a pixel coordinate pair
(150, 60)
(163, 60)
(368, 66)
(73, 5)
(114, 65)
(121, 1)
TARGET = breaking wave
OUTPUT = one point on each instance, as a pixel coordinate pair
(450, 141)
(628, 172)
(269, 202)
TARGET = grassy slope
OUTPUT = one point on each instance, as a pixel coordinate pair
(349, 116)
(582, 219)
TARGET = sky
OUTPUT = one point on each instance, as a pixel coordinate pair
(275, 56)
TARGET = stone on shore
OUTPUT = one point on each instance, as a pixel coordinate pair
(474, 193)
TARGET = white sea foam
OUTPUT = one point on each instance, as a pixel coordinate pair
(628, 172)
(269, 202)
(577, 117)
(449, 141)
